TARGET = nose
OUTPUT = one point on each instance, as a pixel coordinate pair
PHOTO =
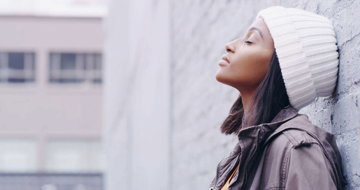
(230, 46)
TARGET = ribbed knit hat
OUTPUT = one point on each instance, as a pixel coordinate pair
(305, 44)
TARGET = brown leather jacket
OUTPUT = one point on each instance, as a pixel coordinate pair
(289, 153)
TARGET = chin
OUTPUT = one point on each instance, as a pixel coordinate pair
(221, 78)
(218, 76)
(225, 79)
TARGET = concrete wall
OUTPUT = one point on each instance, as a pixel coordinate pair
(137, 95)
(199, 30)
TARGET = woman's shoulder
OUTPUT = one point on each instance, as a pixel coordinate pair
(296, 132)
(300, 141)
(292, 138)
(300, 133)
(296, 150)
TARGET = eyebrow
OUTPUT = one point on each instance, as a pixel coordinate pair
(258, 30)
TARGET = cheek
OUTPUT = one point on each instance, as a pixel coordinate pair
(247, 69)
(251, 69)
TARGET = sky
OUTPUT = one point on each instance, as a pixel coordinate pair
(53, 7)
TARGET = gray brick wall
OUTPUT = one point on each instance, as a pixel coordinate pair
(199, 31)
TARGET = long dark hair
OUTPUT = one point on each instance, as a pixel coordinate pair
(270, 97)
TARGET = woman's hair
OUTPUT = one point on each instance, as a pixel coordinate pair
(270, 97)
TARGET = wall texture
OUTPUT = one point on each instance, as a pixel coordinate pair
(163, 106)
(199, 32)
(137, 95)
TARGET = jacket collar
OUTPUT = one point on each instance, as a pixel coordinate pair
(250, 140)
(284, 115)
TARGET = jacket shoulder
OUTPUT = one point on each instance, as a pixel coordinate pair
(286, 149)
(298, 138)
(299, 157)
(295, 133)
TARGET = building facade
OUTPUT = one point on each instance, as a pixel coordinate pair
(51, 96)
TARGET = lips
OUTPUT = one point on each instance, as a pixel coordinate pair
(224, 61)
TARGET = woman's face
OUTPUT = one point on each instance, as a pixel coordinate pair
(248, 58)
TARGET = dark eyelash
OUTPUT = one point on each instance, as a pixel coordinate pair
(248, 42)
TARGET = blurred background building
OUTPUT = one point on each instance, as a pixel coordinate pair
(51, 94)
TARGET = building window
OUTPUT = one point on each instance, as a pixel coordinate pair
(17, 67)
(18, 155)
(74, 155)
(75, 67)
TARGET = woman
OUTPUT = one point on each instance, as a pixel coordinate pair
(287, 58)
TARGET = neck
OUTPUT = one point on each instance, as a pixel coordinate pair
(246, 96)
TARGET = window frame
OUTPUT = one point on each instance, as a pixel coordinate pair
(85, 70)
(8, 75)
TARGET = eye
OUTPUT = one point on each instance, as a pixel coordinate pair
(248, 42)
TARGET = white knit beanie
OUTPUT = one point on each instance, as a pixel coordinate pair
(305, 44)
